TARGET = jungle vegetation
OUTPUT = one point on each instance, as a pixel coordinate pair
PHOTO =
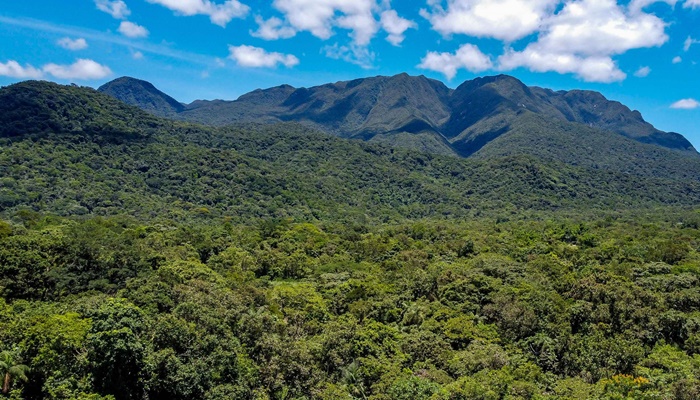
(142, 258)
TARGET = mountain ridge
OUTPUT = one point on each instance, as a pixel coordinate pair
(75, 151)
(416, 112)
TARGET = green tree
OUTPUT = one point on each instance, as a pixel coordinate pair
(11, 370)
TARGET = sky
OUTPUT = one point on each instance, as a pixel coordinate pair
(643, 53)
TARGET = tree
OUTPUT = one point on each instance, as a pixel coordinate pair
(11, 371)
(115, 351)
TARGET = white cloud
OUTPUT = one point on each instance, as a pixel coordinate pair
(590, 69)
(506, 20)
(13, 69)
(320, 17)
(395, 26)
(272, 29)
(255, 57)
(82, 69)
(686, 104)
(582, 38)
(132, 30)
(677, 60)
(137, 55)
(219, 14)
(642, 72)
(116, 8)
(71, 44)
(467, 57)
(692, 4)
(600, 27)
(689, 42)
(354, 54)
(362, 19)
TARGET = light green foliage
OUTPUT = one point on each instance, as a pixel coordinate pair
(148, 259)
(533, 310)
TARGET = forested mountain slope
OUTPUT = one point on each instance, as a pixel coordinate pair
(73, 150)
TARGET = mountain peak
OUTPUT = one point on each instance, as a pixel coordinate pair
(143, 95)
(409, 111)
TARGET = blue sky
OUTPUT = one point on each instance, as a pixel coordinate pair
(643, 53)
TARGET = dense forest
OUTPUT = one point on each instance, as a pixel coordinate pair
(74, 151)
(110, 308)
(142, 258)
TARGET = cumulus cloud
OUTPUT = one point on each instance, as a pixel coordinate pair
(395, 26)
(116, 8)
(467, 57)
(686, 104)
(362, 19)
(590, 69)
(73, 44)
(354, 54)
(601, 27)
(132, 30)
(82, 69)
(137, 55)
(642, 72)
(677, 60)
(320, 17)
(582, 38)
(692, 4)
(689, 42)
(13, 69)
(256, 57)
(219, 13)
(506, 20)
(272, 29)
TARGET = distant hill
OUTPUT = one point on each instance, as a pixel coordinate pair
(41, 108)
(144, 95)
(75, 151)
(421, 113)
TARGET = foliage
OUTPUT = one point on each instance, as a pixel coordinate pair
(250, 262)
(72, 152)
(538, 309)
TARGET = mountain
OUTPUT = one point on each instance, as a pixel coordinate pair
(143, 95)
(75, 151)
(486, 108)
(421, 113)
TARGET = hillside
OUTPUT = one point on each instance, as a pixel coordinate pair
(150, 168)
(424, 114)
(143, 95)
(42, 108)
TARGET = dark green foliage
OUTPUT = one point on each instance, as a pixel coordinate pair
(34, 109)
